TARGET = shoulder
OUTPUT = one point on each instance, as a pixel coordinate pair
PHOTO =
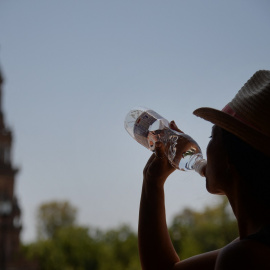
(244, 254)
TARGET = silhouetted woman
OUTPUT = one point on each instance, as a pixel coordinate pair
(238, 165)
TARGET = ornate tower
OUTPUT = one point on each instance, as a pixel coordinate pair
(10, 225)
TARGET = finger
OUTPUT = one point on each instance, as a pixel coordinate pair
(159, 150)
(174, 126)
(161, 158)
(157, 156)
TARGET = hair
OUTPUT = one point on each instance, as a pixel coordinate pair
(251, 164)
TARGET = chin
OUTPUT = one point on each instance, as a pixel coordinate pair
(213, 190)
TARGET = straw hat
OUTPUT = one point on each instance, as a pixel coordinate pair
(248, 115)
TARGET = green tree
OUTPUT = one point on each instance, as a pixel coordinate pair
(195, 232)
(63, 245)
(78, 248)
(71, 248)
(120, 249)
(54, 215)
(66, 246)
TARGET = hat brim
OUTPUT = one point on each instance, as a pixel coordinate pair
(247, 133)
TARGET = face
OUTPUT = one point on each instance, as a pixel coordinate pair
(217, 163)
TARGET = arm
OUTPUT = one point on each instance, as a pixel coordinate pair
(155, 246)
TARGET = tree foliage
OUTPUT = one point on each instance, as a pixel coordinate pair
(79, 248)
(68, 246)
(54, 215)
(119, 247)
(195, 232)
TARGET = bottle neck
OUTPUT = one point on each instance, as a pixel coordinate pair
(200, 165)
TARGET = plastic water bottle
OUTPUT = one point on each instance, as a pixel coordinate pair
(147, 127)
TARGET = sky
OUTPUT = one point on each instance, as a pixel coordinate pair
(73, 70)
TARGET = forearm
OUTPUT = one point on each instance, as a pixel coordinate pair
(155, 246)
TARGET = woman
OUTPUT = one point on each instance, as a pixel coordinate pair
(238, 165)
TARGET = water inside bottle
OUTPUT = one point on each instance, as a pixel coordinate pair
(182, 151)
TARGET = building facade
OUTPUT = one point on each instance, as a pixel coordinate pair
(10, 213)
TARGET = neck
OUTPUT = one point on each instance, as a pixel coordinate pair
(250, 214)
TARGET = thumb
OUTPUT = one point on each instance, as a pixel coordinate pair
(173, 126)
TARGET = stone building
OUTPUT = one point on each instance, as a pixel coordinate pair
(10, 213)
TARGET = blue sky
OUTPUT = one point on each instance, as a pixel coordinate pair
(73, 69)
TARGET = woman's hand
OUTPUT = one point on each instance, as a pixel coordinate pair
(158, 168)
